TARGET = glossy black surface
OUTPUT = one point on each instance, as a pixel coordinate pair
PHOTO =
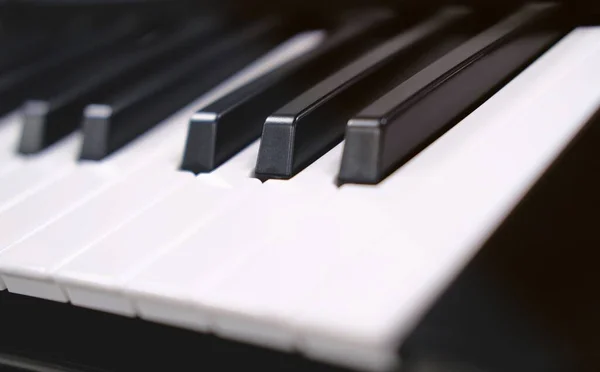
(310, 124)
(123, 117)
(221, 129)
(386, 133)
(55, 110)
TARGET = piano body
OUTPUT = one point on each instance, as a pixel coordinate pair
(296, 186)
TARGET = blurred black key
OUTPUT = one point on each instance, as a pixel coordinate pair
(386, 133)
(17, 83)
(58, 110)
(122, 118)
(220, 130)
(312, 123)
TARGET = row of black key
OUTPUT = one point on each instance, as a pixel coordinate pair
(55, 109)
(389, 87)
(397, 97)
(135, 110)
(223, 128)
(312, 123)
(387, 132)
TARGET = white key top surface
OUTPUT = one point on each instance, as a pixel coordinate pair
(93, 279)
(245, 303)
(214, 249)
(50, 203)
(169, 289)
(70, 190)
(41, 208)
(37, 171)
(36, 257)
(240, 303)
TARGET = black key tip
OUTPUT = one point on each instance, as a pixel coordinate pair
(362, 152)
(34, 127)
(96, 125)
(200, 146)
(276, 152)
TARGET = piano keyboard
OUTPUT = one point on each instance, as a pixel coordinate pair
(310, 191)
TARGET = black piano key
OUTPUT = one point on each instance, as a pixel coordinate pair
(58, 111)
(125, 116)
(385, 134)
(309, 125)
(221, 129)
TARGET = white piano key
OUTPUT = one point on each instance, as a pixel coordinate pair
(37, 171)
(38, 256)
(61, 196)
(94, 278)
(70, 190)
(57, 199)
(199, 263)
(370, 277)
(215, 249)
(431, 216)
(246, 305)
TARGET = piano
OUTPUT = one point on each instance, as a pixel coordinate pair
(299, 186)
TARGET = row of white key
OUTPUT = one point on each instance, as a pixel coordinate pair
(339, 274)
(219, 248)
